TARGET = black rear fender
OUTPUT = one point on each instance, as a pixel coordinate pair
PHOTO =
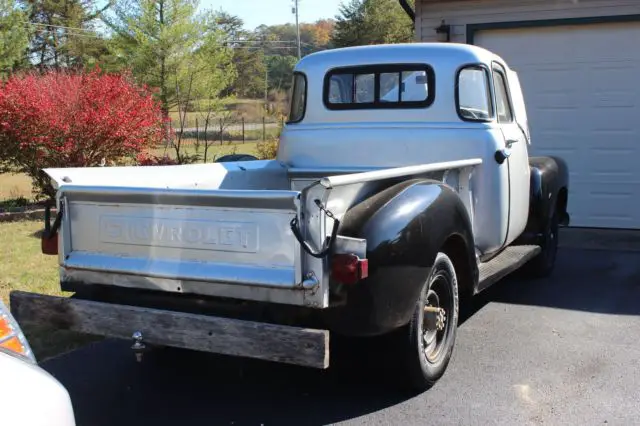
(405, 226)
(548, 194)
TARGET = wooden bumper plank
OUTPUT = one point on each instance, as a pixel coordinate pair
(285, 344)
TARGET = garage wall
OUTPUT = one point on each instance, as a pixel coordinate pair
(429, 13)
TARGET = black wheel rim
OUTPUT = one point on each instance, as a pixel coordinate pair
(438, 294)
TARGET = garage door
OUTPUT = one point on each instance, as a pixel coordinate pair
(582, 86)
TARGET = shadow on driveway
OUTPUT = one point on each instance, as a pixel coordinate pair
(598, 281)
(176, 387)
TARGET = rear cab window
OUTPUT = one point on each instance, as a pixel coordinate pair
(379, 87)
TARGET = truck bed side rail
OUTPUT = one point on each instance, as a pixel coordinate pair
(375, 175)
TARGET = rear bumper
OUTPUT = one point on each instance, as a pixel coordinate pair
(274, 292)
(271, 342)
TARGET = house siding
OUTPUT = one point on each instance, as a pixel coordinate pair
(459, 14)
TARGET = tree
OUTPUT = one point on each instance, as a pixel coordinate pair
(155, 38)
(219, 70)
(64, 119)
(167, 46)
(205, 77)
(281, 71)
(321, 32)
(64, 33)
(13, 36)
(248, 58)
(362, 22)
(230, 25)
(251, 68)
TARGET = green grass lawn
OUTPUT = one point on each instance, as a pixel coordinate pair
(24, 267)
(14, 186)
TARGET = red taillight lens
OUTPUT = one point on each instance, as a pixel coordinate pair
(349, 268)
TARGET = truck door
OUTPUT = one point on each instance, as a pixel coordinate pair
(515, 145)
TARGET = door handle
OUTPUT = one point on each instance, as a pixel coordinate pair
(510, 142)
(501, 155)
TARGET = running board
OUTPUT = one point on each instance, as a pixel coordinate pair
(509, 260)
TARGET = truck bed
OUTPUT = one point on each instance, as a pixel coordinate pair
(222, 229)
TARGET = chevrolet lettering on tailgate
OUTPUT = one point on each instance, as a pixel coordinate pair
(160, 232)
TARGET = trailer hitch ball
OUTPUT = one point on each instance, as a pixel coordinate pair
(138, 346)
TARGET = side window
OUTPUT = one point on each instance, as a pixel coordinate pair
(503, 106)
(298, 98)
(474, 96)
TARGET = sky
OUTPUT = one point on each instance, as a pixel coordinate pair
(272, 12)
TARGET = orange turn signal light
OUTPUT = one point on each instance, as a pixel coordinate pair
(5, 328)
(10, 338)
(14, 345)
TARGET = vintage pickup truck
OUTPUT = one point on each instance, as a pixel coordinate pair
(402, 187)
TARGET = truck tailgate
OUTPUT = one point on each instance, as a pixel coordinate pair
(182, 240)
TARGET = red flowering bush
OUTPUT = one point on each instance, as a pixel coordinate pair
(62, 119)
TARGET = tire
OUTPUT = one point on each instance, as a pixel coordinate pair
(423, 353)
(235, 157)
(544, 263)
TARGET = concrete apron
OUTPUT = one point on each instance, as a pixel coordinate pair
(600, 239)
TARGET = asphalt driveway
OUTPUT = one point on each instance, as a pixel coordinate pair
(558, 351)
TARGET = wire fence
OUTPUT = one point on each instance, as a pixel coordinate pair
(195, 130)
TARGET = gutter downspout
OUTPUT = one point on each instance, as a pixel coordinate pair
(407, 8)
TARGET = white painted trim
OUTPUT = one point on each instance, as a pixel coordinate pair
(334, 181)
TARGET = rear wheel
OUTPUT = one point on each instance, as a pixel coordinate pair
(543, 264)
(425, 345)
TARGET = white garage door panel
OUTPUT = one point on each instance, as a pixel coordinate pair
(603, 205)
(582, 87)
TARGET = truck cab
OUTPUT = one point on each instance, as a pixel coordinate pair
(402, 186)
(375, 107)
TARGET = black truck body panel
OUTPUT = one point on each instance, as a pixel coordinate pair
(405, 226)
(549, 191)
